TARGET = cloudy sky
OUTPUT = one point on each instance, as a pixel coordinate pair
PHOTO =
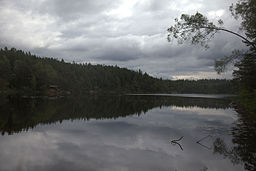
(127, 33)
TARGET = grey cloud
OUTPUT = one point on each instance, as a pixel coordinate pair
(67, 10)
(86, 31)
(155, 5)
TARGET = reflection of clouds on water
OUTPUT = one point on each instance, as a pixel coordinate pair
(130, 143)
(206, 111)
(20, 152)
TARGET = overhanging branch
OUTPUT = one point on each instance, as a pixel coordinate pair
(234, 33)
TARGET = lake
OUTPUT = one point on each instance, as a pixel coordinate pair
(126, 133)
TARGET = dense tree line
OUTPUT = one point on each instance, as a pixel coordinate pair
(246, 77)
(205, 86)
(246, 72)
(27, 74)
(30, 74)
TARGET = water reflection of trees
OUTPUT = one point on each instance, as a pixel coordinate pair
(244, 139)
(17, 114)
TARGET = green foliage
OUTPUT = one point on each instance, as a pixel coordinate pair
(199, 30)
(221, 64)
(5, 69)
(245, 9)
(28, 74)
(31, 75)
(196, 29)
(204, 86)
(245, 74)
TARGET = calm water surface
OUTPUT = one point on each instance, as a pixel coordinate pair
(121, 133)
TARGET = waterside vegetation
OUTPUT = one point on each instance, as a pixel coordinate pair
(29, 75)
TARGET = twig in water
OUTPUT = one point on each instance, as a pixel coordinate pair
(198, 142)
(203, 138)
(175, 142)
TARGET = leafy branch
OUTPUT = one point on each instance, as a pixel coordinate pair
(199, 30)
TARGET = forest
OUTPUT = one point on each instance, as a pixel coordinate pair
(27, 74)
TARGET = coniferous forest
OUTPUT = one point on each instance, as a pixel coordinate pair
(127, 85)
(27, 74)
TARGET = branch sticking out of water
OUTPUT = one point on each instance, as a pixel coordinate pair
(203, 138)
(198, 142)
(175, 142)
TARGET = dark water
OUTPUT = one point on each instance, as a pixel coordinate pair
(123, 133)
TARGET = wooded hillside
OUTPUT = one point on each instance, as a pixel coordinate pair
(24, 73)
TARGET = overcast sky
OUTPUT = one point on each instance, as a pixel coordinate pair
(127, 33)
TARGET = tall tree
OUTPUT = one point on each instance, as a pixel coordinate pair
(197, 29)
(246, 10)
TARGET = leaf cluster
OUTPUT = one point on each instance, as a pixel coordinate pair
(196, 29)
(246, 10)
